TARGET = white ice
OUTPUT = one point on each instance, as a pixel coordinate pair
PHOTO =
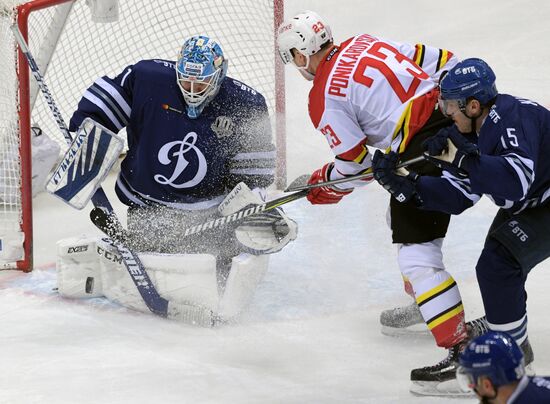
(311, 334)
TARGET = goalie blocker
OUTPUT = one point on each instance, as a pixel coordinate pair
(85, 165)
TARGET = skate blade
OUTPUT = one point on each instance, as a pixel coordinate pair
(448, 388)
(415, 330)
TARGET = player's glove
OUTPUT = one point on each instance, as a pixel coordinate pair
(324, 195)
(402, 187)
(450, 150)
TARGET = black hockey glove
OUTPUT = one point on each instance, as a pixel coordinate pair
(402, 188)
(450, 151)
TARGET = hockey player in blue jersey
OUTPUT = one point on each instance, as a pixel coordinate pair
(194, 135)
(492, 366)
(497, 148)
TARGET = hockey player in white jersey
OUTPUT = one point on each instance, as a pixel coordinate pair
(370, 91)
(198, 142)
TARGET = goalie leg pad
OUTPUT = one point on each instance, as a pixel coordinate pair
(78, 267)
(247, 271)
(183, 279)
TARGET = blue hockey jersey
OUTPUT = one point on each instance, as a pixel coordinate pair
(513, 168)
(173, 160)
(531, 390)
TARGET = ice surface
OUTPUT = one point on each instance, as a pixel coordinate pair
(312, 332)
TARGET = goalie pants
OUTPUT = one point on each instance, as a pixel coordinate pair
(419, 235)
(159, 229)
(514, 245)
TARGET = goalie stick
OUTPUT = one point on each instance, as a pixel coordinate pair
(151, 297)
(114, 229)
(296, 185)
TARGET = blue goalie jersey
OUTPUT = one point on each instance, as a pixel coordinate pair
(512, 169)
(173, 160)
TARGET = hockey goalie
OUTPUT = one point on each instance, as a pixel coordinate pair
(198, 142)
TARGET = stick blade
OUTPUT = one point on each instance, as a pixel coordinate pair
(298, 184)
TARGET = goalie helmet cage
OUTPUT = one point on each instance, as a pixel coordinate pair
(72, 51)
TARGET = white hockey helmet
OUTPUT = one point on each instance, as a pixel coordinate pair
(306, 32)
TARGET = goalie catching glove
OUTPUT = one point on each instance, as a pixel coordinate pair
(263, 233)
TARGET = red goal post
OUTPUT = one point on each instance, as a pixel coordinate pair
(72, 51)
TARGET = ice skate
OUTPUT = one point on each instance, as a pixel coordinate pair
(439, 379)
(403, 321)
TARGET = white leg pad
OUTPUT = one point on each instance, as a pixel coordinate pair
(78, 271)
(247, 271)
(179, 278)
(91, 267)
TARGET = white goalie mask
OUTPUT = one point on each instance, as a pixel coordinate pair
(307, 33)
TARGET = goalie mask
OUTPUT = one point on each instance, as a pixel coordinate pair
(200, 70)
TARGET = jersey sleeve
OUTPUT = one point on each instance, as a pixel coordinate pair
(349, 145)
(446, 194)
(254, 157)
(107, 101)
(432, 60)
(509, 157)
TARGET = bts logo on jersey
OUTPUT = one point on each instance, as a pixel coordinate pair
(182, 167)
(223, 126)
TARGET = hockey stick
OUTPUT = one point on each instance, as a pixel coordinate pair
(152, 299)
(294, 186)
(114, 230)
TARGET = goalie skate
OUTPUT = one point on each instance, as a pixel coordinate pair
(403, 321)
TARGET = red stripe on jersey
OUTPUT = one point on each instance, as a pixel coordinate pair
(317, 94)
(421, 110)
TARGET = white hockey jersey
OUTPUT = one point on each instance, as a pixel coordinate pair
(375, 92)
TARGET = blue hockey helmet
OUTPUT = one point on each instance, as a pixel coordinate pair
(471, 78)
(200, 70)
(495, 355)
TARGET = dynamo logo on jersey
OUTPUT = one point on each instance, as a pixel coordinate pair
(178, 149)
